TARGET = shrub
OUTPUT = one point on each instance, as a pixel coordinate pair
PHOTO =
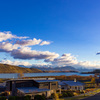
(70, 94)
(12, 98)
(44, 96)
(65, 95)
(17, 98)
(60, 95)
(39, 97)
(27, 97)
(52, 96)
(2, 98)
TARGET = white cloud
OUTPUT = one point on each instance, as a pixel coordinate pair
(7, 35)
(21, 50)
(42, 65)
(88, 64)
(29, 42)
(7, 47)
(27, 53)
(45, 43)
(65, 59)
(69, 60)
(15, 62)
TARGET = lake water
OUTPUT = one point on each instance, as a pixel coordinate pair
(15, 75)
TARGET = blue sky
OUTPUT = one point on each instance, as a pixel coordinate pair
(72, 26)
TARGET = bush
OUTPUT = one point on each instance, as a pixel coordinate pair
(65, 94)
(52, 96)
(44, 96)
(2, 98)
(12, 98)
(17, 98)
(70, 94)
(60, 95)
(39, 97)
(27, 97)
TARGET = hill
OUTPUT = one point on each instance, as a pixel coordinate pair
(96, 71)
(5, 68)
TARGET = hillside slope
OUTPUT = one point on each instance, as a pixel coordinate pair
(5, 68)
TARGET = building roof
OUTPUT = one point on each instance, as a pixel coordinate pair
(61, 83)
(2, 85)
(31, 89)
(39, 81)
(71, 83)
(20, 80)
(98, 80)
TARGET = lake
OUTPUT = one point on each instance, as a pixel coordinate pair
(15, 75)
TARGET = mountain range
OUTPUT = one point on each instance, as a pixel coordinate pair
(5, 68)
(64, 68)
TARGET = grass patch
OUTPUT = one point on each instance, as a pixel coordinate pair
(75, 98)
(83, 95)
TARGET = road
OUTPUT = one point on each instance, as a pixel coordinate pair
(95, 97)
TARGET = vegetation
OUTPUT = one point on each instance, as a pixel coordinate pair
(62, 95)
(97, 71)
(2, 80)
(12, 98)
(39, 97)
(2, 98)
(16, 97)
(19, 98)
(5, 68)
(82, 96)
(63, 77)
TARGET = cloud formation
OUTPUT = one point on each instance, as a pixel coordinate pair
(27, 53)
(21, 50)
(7, 35)
(7, 47)
(28, 42)
(89, 64)
(17, 63)
(31, 42)
(45, 43)
(65, 59)
(70, 60)
(98, 53)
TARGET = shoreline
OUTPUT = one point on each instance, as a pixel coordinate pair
(46, 72)
(62, 77)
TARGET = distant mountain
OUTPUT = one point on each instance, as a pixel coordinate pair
(23, 66)
(65, 68)
(5, 68)
(82, 69)
(61, 68)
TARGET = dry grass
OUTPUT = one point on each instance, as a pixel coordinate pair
(4, 68)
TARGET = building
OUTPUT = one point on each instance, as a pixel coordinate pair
(71, 85)
(2, 87)
(32, 87)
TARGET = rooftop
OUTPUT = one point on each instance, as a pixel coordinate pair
(46, 81)
(37, 80)
(71, 83)
(31, 89)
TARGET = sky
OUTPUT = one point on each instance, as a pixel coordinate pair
(50, 32)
